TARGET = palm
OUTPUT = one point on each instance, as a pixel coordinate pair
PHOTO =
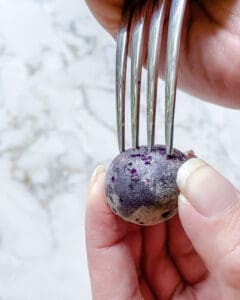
(209, 62)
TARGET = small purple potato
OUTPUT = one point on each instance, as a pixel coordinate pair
(141, 185)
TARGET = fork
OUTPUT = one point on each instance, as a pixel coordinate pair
(132, 34)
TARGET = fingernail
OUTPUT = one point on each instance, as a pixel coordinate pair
(99, 170)
(183, 199)
(205, 189)
(186, 170)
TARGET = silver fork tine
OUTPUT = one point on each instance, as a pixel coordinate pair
(121, 66)
(136, 73)
(173, 46)
(154, 46)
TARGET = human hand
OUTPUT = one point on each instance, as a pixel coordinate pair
(209, 59)
(193, 256)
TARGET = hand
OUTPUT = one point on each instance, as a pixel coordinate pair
(210, 51)
(193, 256)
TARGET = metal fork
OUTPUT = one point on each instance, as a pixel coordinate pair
(134, 28)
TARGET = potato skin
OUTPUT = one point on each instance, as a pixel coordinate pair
(141, 185)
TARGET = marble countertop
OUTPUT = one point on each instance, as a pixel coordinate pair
(57, 122)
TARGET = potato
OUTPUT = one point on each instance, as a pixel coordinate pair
(141, 184)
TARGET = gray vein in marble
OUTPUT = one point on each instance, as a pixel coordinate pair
(57, 109)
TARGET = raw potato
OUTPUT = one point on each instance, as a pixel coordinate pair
(141, 185)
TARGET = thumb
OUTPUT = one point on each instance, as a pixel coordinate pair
(209, 209)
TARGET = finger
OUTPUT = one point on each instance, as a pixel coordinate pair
(209, 210)
(185, 257)
(190, 154)
(159, 268)
(107, 12)
(111, 265)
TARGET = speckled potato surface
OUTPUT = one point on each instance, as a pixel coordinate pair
(141, 185)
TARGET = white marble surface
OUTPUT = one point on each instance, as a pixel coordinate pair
(57, 122)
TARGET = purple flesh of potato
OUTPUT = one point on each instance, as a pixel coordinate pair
(141, 184)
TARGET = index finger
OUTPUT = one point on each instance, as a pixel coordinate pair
(107, 12)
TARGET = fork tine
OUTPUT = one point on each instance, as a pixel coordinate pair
(173, 46)
(136, 73)
(121, 66)
(154, 46)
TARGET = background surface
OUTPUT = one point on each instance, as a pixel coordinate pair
(57, 122)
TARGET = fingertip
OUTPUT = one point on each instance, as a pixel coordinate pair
(190, 154)
(102, 226)
(213, 234)
(208, 191)
(96, 177)
(189, 216)
(186, 171)
(96, 205)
